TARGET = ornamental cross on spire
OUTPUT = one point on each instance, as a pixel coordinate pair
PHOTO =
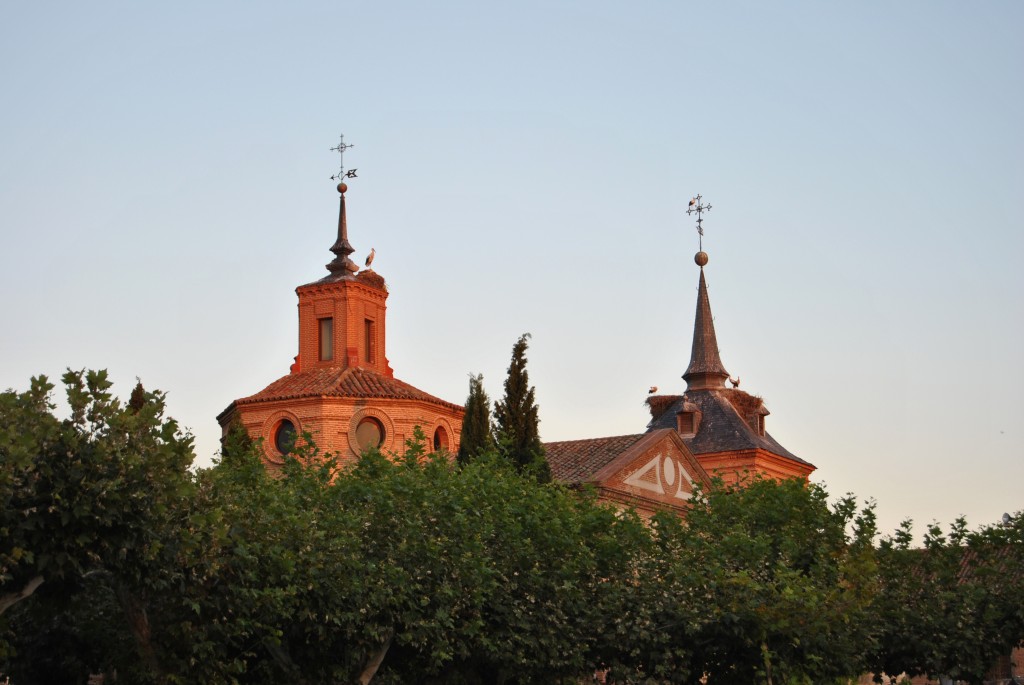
(340, 149)
(698, 207)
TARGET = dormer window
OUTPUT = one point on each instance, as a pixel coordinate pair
(756, 421)
(688, 419)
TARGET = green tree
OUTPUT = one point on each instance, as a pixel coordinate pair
(783, 583)
(954, 606)
(516, 418)
(398, 569)
(137, 400)
(90, 503)
(476, 437)
(478, 575)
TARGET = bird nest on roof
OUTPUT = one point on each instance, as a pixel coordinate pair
(745, 403)
(660, 403)
(372, 279)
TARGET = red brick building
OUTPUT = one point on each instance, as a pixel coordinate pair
(708, 430)
(341, 389)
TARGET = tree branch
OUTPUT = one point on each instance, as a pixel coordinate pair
(12, 598)
(371, 668)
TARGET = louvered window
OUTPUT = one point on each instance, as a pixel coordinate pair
(687, 422)
(756, 423)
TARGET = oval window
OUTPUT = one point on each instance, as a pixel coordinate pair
(369, 434)
(284, 436)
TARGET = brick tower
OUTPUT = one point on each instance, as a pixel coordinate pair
(341, 389)
(723, 427)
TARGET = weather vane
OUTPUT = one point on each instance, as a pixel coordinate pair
(340, 149)
(699, 207)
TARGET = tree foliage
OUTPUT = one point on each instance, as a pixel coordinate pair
(764, 583)
(476, 437)
(954, 606)
(90, 503)
(516, 418)
(115, 557)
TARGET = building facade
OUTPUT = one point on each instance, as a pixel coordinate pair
(710, 430)
(341, 390)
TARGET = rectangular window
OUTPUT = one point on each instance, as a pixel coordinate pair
(369, 340)
(685, 423)
(326, 340)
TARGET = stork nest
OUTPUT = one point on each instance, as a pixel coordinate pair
(744, 403)
(372, 279)
(659, 404)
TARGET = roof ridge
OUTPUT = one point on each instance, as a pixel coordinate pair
(607, 437)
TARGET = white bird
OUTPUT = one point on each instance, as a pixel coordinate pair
(369, 259)
(693, 201)
(653, 390)
(735, 382)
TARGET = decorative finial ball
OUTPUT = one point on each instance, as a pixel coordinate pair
(342, 187)
(701, 258)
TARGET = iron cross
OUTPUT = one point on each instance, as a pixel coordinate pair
(340, 149)
(699, 207)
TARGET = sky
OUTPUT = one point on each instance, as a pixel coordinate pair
(526, 167)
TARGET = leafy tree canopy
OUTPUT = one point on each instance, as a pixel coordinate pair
(115, 557)
(954, 606)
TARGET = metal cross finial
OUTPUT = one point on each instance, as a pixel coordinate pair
(340, 149)
(699, 207)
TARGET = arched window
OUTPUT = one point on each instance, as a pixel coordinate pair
(440, 439)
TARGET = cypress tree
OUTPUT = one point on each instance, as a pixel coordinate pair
(476, 423)
(516, 418)
(138, 398)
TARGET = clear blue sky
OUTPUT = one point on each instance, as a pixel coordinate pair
(164, 186)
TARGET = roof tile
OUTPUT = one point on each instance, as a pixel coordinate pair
(341, 382)
(575, 461)
(722, 429)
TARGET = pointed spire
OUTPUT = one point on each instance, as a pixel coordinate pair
(341, 265)
(706, 371)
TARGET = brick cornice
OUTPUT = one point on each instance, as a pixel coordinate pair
(317, 289)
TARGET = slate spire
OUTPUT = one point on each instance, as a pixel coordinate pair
(341, 265)
(706, 371)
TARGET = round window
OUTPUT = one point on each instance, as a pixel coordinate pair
(440, 440)
(284, 436)
(369, 434)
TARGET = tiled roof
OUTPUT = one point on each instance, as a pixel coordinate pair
(366, 277)
(341, 382)
(575, 461)
(721, 428)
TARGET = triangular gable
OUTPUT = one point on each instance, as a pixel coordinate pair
(659, 469)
